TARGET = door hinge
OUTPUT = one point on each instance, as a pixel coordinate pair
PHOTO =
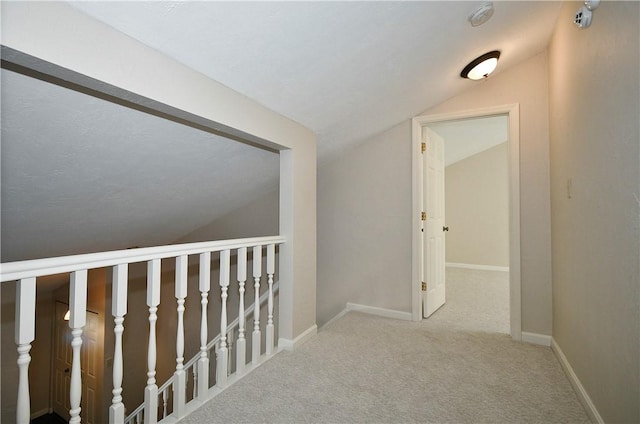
(423, 147)
(423, 216)
(424, 286)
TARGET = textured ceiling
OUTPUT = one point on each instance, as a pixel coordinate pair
(346, 70)
(80, 174)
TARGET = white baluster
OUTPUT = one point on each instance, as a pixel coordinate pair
(77, 320)
(195, 381)
(186, 382)
(241, 346)
(223, 358)
(179, 381)
(153, 300)
(271, 269)
(203, 362)
(118, 310)
(230, 339)
(139, 417)
(25, 334)
(165, 400)
(257, 273)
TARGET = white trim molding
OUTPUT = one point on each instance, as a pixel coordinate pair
(382, 312)
(41, 412)
(515, 289)
(334, 319)
(478, 267)
(535, 338)
(581, 392)
(286, 344)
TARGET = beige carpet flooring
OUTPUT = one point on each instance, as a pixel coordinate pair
(367, 369)
(476, 301)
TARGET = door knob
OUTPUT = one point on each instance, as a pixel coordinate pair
(445, 228)
(66, 371)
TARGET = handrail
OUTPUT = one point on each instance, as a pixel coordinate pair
(192, 361)
(11, 271)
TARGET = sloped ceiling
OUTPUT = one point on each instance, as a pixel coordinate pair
(80, 174)
(468, 137)
(346, 70)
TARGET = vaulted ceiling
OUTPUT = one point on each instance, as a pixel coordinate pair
(80, 174)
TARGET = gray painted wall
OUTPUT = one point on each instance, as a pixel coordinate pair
(364, 206)
(477, 209)
(364, 226)
(595, 142)
(256, 219)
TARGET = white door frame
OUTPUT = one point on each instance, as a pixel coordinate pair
(513, 113)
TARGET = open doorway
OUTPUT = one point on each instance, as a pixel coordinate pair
(475, 225)
(428, 125)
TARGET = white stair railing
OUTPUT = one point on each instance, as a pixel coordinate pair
(156, 400)
(164, 392)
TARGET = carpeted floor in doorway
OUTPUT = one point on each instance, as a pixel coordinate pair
(367, 369)
(476, 301)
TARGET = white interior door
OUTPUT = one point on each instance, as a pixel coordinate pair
(89, 366)
(62, 363)
(433, 269)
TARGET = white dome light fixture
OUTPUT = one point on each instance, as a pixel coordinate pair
(480, 67)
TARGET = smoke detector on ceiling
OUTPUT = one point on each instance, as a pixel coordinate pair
(481, 14)
(584, 15)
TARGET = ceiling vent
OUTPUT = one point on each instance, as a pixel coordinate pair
(482, 14)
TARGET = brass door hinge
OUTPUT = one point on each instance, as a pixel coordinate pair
(424, 286)
(423, 216)
(423, 147)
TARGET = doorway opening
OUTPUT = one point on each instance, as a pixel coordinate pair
(475, 229)
(465, 255)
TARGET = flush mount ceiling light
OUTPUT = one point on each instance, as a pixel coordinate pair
(482, 66)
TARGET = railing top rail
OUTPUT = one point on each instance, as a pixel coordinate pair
(11, 271)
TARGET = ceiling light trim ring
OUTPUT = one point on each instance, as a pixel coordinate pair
(495, 54)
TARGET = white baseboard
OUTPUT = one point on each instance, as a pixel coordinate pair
(387, 313)
(577, 385)
(334, 319)
(288, 344)
(535, 338)
(478, 267)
